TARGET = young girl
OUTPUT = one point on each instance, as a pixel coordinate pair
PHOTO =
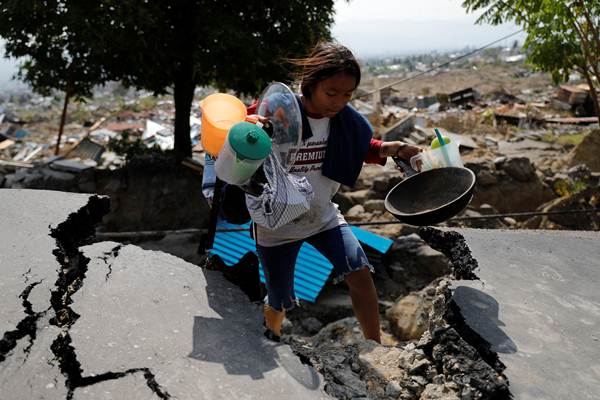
(336, 142)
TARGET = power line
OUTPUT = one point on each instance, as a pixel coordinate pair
(108, 235)
(528, 214)
(494, 216)
(439, 66)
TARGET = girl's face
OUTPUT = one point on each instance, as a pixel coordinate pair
(330, 95)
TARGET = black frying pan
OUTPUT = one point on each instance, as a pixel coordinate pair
(430, 197)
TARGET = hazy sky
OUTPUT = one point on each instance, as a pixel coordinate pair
(380, 27)
(393, 27)
(7, 67)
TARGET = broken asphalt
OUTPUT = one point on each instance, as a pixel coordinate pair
(536, 303)
(103, 320)
(109, 321)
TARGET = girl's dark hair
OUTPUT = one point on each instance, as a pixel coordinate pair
(325, 60)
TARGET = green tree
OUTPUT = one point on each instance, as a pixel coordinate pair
(562, 36)
(161, 45)
(235, 45)
(52, 37)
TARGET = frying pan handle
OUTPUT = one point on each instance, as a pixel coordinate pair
(404, 166)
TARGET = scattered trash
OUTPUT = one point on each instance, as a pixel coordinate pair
(21, 133)
(103, 135)
(27, 152)
(465, 96)
(152, 128)
(486, 112)
(400, 129)
(515, 59)
(6, 143)
(71, 166)
(122, 126)
(426, 101)
(86, 149)
(33, 153)
(573, 120)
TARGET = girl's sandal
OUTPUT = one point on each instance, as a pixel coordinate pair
(269, 334)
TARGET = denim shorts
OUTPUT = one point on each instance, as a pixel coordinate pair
(338, 245)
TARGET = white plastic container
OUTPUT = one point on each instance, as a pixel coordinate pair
(232, 169)
(243, 151)
(447, 155)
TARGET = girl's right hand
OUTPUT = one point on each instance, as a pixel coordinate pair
(254, 118)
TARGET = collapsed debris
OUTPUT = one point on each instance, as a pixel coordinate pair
(521, 143)
(448, 360)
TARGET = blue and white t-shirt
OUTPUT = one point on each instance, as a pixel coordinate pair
(323, 213)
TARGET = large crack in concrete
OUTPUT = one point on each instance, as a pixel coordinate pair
(71, 369)
(454, 347)
(453, 245)
(26, 275)
(110, 255)
(27, 327)
(78, 230)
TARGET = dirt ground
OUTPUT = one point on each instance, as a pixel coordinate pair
(485, 79)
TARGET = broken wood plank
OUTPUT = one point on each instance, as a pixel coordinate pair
(5, 144)
(17, 164)
(573, 120)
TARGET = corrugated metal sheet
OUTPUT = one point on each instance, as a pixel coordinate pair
(231, 246)
(379, 243)
(312, 268)
(87, 148)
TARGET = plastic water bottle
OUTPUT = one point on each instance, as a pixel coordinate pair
(209, 177)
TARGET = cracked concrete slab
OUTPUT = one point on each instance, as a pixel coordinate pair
(29, 267)
(124, 322)
(196, 332)
(538, 305)
(129, 387)
(25, 220)
(33, 375)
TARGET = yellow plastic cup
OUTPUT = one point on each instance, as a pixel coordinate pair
(220, 112)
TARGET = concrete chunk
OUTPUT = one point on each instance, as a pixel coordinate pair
(196, 332)
(538, 306)
(111, 321)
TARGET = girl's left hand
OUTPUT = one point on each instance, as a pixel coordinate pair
(398, 149)
(406, 151)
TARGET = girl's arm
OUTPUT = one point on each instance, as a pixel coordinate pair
(373, 155)
(380, 150)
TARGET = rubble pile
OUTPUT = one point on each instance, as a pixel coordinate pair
(439, 357)
(520, 143)
(103, 133)
(517, 132)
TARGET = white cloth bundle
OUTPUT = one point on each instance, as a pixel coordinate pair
(284, 198)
